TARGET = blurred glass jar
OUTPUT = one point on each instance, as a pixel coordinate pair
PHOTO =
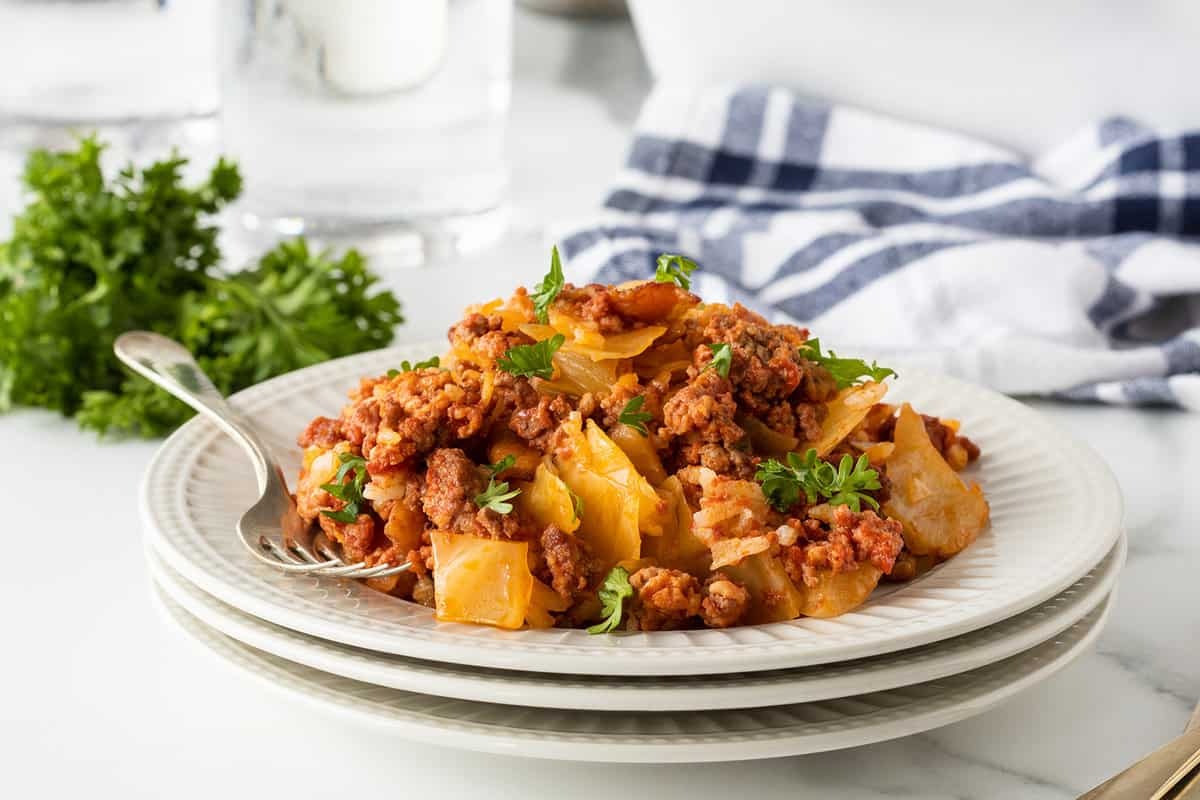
(376, 122)
(86, 62)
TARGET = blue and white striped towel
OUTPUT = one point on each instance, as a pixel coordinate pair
(1071, 275)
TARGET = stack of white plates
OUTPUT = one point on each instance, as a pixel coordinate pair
(1012, 609)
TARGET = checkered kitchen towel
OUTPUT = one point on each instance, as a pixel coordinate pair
(1072, 275)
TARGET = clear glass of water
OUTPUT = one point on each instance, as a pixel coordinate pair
(373, 122)
(141, 74)
(87, 62)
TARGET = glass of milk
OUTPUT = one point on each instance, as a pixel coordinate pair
(378, 123)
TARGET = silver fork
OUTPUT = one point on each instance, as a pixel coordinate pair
(168, 364)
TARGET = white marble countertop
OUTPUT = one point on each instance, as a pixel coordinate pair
(101, 699)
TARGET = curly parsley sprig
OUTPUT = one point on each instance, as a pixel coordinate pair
(576, 505)
(615, 590)
(846, 484)
(405, 366)
(349, 493)
(672, 267)
(722, 358)
(532, 360)
(544, 293)
(496, 496)
(633, 416)
(846, 371)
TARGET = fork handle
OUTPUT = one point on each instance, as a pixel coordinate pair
(169, 365)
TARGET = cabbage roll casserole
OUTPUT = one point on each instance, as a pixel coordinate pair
(631, 458)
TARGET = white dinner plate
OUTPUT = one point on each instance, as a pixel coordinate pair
(648, 736)
(677, 693)
(1056, 512)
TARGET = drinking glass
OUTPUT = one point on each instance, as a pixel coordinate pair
(378, 122)
(88, 62)
(140, 74)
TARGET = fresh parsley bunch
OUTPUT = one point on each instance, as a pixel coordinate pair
(90, 258)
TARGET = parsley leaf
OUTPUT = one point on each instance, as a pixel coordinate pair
(496, 496)
(615, 590)
(503, 464)
(349, 493)
(674, 267)
(846, 371)
(633, 416)
(576, 504)
(532, 360)
(94, 255)
(552, 283)
(722, 358)
(844, 485)
(405, 366)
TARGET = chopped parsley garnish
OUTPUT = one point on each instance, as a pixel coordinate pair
(532, 360)
(722, 358)
(576, 504)
(350, 493)
(503, 464)
(633, 416)
(405, 366)
(545, 292)
(844, 485)
(497, 495)
(674, 267)
(615, 590)
(846, 371)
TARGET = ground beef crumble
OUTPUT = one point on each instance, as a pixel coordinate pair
(838, 539)
(537, 423)
(452, 482)
(698, 422)
(322, 432)
(725, 601)
(664, 599)
(484, 337)
(563, 563)
(616, 309)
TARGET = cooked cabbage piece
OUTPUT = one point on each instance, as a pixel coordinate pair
(576, 375)
(773, 596)
(481, 580)
(542, 602)
(609, 460)
(732, 551)
(610, 507)
(842, 415)
(506, 443)
(941, 515)
(547, 500)
(837, 593)
(663, 358)
(597, 346)
(765, 440)
(640, 451)
(677, 547)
